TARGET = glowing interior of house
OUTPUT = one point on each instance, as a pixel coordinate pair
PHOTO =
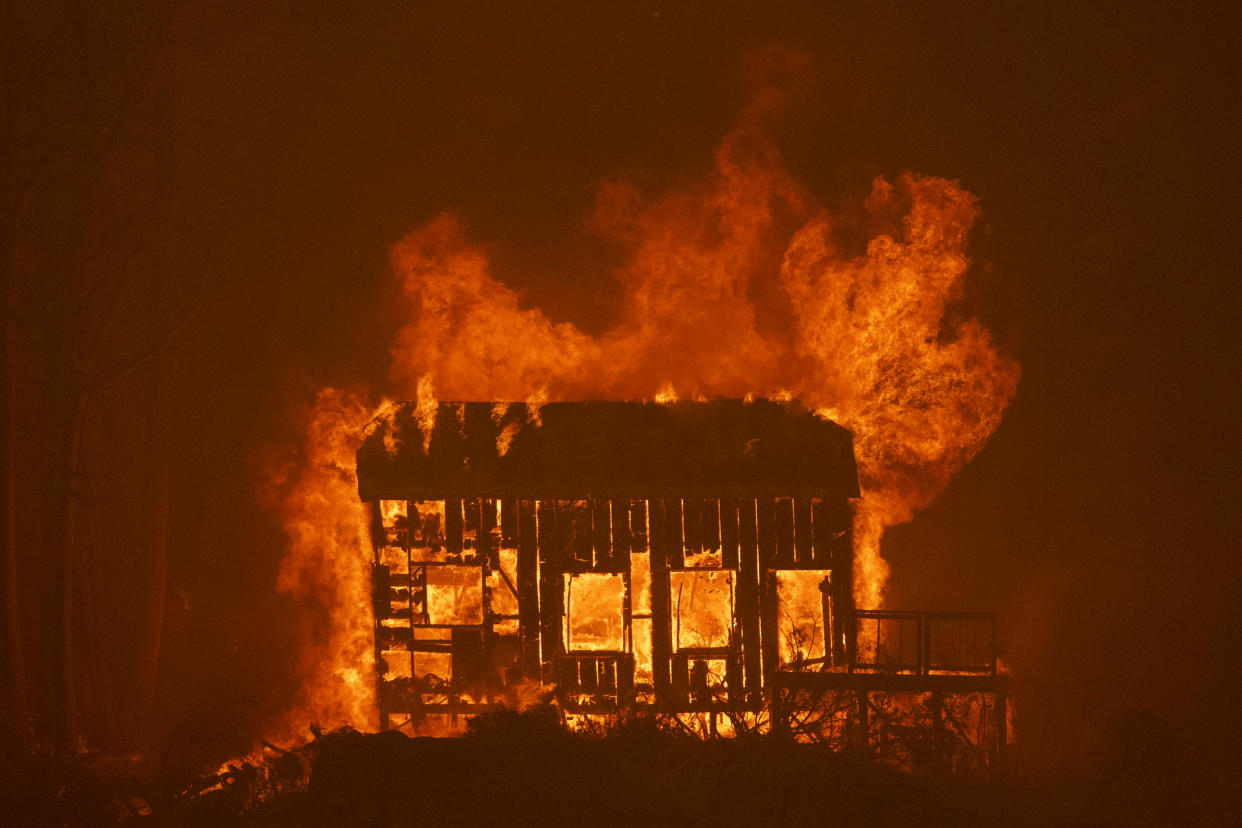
(692, 559)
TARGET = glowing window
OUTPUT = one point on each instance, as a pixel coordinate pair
(455, 595)
(594, 611)
(702, 607)
(801, 622)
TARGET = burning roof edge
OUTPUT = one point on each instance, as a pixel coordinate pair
(724, 448)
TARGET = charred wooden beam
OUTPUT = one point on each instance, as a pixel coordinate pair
(551, 591)
(527, 541)
(803, 548)
(607, 449)
(748, 599)
(660, 598)
(765, 519)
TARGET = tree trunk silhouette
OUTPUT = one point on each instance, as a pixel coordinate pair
(153, 621)
(14, 662)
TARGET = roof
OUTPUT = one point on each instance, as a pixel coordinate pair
(721, 448)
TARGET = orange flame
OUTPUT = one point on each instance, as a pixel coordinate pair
(720, 303)
(734, 288)
(327, 568)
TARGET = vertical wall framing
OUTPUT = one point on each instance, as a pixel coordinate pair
(755, 539)
(752, 538)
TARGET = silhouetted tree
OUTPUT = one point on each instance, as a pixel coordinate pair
(80, 322)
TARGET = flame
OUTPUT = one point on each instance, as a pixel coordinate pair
(721, 301)
(739, 286)
(504, 438)
(425, 408)
(327, 567)
(667, 394)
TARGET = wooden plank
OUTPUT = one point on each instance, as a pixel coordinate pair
(679, 689)
(620, 535)
(728, 533)
(528, 586)
(638, 526)
(607, 675)
(601, 525)
(672, 538)
(452, 526)
(551, 591)
(660, 610)
(843, 578)
(748, 599)
(580, 448)
(710, 526)
(833, 521)
(802, 532)
(625, 677)
(575, 541)
(472, 525)
(508, 524)
(692, 525)
(821, 534)
(765, 519)
(488, 540)
(784, 528)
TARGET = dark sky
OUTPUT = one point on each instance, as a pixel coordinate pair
(302, 140)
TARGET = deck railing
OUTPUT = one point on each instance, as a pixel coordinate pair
(924, 643)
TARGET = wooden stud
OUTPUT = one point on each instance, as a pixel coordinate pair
(551, 590)
(661, 647)
(601, 525)
(508, 524)
(728, 533)
(748, 599)
(453, 527)
(768, 605)
(528, 587)
(803, 554)
(692, 525)
(784, 527)
(620, 535)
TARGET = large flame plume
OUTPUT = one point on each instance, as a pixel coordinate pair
(737, 287)
(720, 303)
(327, 568)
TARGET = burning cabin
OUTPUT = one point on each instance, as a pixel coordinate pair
(694, 557)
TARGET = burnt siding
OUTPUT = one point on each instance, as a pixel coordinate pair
(725, 448)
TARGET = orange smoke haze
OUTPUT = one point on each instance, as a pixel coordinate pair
(736, 287)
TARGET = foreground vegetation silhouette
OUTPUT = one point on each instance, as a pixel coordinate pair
(527, 768)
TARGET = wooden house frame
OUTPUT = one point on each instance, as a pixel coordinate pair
(691, 559)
